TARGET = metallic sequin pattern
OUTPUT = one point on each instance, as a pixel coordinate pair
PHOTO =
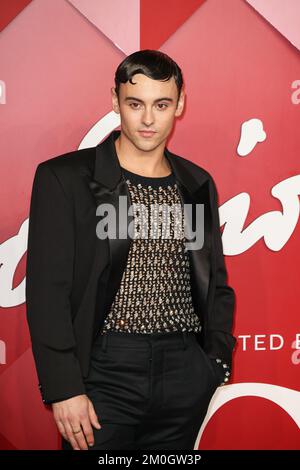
(155, 290)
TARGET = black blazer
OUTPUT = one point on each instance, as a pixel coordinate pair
(72, 275)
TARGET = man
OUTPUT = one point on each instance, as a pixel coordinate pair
(131, 335)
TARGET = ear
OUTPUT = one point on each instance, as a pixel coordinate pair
(115, 100)
(180, 104)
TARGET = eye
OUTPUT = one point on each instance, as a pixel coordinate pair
(162, 104)
(133, 105)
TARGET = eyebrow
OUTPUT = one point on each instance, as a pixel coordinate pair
(155, 101)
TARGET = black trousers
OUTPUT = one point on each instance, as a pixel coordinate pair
(150, 391)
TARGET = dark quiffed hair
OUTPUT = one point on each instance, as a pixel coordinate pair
(152, 63)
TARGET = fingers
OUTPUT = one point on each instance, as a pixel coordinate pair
(62, 430)
(76, 440)
(93, 416)
(88, 431)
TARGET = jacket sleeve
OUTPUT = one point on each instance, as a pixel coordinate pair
(218, 340)
(49, 270)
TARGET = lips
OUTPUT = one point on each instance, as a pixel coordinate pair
(147, 133)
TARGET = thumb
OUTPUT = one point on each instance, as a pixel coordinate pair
(92, 415)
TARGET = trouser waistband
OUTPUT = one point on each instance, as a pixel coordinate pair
(142, 340)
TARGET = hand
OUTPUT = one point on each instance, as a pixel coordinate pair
(221, 372)
(76, 413)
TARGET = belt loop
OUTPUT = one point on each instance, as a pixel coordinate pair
(104, 342)
(184, 339)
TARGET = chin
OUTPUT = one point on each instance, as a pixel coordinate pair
(143, 146)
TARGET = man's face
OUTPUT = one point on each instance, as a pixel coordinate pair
(148, 104)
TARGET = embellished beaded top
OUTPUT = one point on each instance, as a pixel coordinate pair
(155, 291)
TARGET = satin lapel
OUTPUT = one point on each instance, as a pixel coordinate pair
(118, 248)
(200, 259)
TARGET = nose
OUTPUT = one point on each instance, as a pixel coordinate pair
(148, 117)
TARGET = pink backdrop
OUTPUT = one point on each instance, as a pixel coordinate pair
(242, 71)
